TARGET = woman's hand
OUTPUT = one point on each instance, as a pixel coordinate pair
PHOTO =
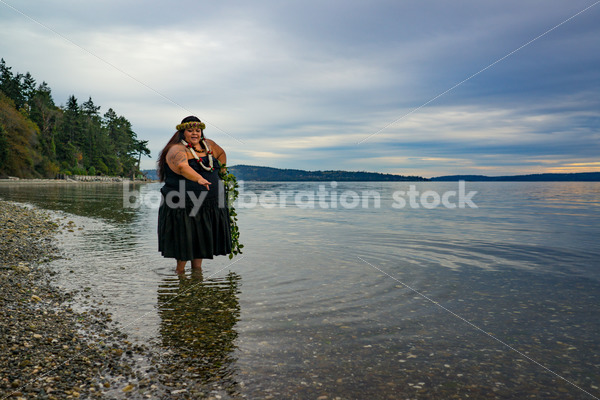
(203, 182)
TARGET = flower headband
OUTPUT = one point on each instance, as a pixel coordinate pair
(191, 124)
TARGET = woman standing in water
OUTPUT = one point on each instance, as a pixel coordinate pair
(193, 219)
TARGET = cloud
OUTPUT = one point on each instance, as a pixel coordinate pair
(299, 84)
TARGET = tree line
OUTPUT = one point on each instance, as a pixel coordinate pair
(256, 173)
(40, 139)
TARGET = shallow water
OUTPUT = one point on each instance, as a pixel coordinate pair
(499, 301)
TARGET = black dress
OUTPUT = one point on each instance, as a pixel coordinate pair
(194, 225)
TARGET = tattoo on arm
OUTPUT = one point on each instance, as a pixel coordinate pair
(175, 158)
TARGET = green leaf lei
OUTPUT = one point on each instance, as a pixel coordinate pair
(231, 192)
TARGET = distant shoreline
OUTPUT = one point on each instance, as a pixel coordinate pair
(59, 181)
(269, 174)
(548, 177)
(83, 179)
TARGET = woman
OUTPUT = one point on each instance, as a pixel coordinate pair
(193, 219)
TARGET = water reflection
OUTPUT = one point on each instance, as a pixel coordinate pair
(197, 320)
(94, 200)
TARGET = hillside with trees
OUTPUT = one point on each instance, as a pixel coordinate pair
(40, 139)
(256, 173)
(270, 174)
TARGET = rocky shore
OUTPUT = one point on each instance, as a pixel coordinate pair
(48, 350)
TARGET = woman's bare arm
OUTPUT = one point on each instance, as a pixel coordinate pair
(218, 151)
(178, 162)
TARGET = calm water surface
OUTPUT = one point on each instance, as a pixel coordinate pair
(499, 301)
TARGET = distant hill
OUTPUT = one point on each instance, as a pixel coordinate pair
(256, 173)
(573, 177)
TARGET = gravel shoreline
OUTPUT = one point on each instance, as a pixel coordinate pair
(50, 351)
(47, 350)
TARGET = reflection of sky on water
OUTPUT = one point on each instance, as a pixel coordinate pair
(94, 200)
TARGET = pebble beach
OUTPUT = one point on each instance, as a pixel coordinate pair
(49, 348)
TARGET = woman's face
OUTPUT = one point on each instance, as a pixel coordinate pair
(192, 135)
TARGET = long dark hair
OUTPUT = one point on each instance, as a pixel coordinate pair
(176, 138)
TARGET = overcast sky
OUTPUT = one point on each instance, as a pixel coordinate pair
(427, 88)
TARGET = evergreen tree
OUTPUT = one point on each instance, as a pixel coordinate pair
(68, 154)
(91, 129)
(10, 84)
(142, 149)
(28, 90)
(47, 117)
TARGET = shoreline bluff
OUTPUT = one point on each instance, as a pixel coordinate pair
(50, 351)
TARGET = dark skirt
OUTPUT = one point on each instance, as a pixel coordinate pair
(186, 237)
